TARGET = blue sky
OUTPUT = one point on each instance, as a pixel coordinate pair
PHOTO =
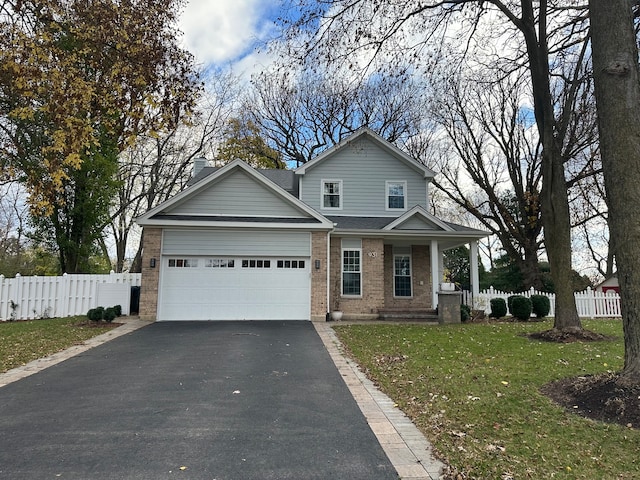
(225, 32)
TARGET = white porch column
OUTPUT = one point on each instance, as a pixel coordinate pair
(436, 275)
(475, 277)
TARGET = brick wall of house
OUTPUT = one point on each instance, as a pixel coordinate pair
(420, 272)
(372, 280)
(318, 277)
(152, 239)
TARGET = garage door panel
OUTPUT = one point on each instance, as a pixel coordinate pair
(238, 293)
(236, 243)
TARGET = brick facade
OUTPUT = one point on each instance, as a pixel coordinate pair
(372, 299)
(318, 276)
(151, 244)
(420, 279)
(377, 278)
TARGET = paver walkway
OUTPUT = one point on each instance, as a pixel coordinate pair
(407, 448)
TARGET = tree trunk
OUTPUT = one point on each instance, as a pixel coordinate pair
(530, 268)
(554, 196)
(617, 88)
(557, 238)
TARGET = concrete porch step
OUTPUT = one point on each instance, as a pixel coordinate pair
(409, 314)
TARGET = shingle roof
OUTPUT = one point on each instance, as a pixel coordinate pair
(285, 179)
(361, 223)
(219, 218)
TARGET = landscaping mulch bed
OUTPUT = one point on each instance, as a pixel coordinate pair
(569, 336)
(605, 397)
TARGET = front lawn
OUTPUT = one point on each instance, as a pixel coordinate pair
(22, 342)
(474, 391)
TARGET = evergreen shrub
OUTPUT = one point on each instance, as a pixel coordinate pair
(521, 307)
(465, 312)
(109, 314)
(498, 307)
(540, 305)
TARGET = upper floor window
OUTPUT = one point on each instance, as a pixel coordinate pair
(332, 194)
(396, 195)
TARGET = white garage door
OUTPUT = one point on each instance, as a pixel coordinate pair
(234, 288)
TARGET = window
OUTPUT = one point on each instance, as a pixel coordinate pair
(332, 194)
(396, 195)
(402, 275)
(183, 262)
(351, 272)
(290, 264)
(251, 263)
(219, 263)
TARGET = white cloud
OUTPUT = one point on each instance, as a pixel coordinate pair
(224, 31)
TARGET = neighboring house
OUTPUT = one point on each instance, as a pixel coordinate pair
(609, 285)
(349, 230)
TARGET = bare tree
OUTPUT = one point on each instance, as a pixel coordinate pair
(159, 166)
(13, 218)
(492, 165)
(301, 114)
(374, 32)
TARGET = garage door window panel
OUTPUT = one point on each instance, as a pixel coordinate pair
(290, 264)
(255, 263)
(219, 263)
(183, 263)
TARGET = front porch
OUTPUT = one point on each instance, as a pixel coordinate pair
(386, 278)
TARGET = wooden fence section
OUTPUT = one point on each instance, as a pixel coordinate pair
(590, 304)
(42, 297)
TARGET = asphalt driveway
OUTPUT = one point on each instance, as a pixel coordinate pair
(191, 400)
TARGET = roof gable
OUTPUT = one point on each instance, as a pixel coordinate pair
(418, 219)
(367, 133)
(234, 191)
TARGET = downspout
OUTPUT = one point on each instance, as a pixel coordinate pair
(328, 270)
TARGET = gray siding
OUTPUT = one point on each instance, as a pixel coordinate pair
(236, 242)
(240, 195)
(415, 223)
(363, 168)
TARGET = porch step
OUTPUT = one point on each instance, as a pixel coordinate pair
(409, 314)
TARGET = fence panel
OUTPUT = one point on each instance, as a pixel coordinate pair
(590, 304)
(67, 295)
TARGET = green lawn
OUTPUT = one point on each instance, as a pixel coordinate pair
(473, 390)
(22, 342)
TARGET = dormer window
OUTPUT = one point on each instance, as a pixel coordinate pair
(332, 194)
(396, 195)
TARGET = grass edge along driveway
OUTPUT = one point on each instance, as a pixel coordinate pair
(473, 390)
(24, 341)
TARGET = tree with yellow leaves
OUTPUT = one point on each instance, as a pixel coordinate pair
(78, 76)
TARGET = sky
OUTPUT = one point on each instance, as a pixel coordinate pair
(224, 33)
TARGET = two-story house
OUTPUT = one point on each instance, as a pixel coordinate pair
(349, 230)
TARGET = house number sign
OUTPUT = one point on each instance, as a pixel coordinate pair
(373, 254)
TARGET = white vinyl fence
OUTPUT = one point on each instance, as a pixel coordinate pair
(590, 304)
(44, 297)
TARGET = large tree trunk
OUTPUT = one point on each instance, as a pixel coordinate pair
(557, 238)
(530, 268)
(617, 87)
(555, 199)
